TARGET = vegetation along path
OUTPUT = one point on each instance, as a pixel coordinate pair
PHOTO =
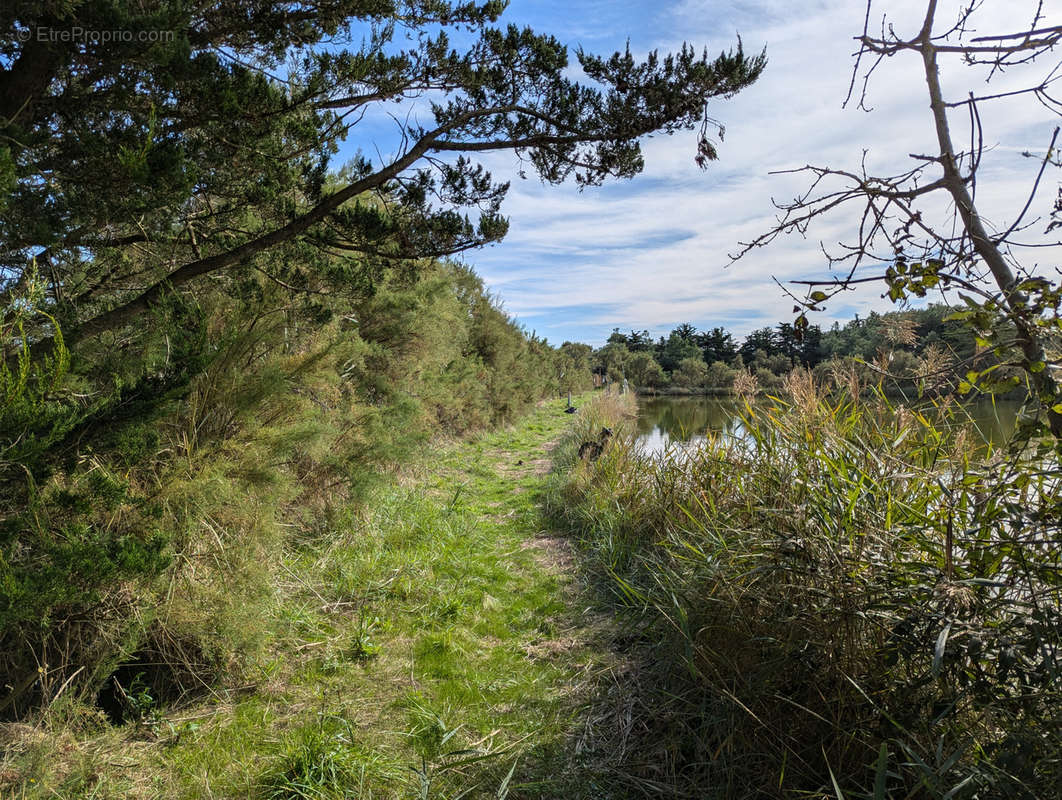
(430, 646)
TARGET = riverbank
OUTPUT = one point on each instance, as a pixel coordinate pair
(851, 600)
(893, 392)
(434, 644)
(682, 391)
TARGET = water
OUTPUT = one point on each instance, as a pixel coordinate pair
(665, 420)
(681, 420)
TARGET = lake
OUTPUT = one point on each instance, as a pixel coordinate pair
(666, 420)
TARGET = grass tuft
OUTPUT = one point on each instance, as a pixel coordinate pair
(324, 762)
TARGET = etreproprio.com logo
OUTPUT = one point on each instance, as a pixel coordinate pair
(80, 35)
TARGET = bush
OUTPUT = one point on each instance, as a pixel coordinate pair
(147, 492)
(768, 381)
(645, 371)
(719, 376)
(692, 373)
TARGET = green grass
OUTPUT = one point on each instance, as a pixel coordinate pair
(422, 647)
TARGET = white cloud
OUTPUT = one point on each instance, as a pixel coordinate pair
(653, 252)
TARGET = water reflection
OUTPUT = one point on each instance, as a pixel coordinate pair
(668, 421)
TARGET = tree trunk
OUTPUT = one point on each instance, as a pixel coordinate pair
(1014, 301)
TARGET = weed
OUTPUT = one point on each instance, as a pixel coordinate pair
(408, 601)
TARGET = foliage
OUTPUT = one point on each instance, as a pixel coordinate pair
(574, 367)
(161, 431)
(912, 351)
(420, 623)
(322, 762)
(152, 519)
(74, 527)
(644, 370)
(719, 376)
(921, 230)
(814, 613)
(31, 417)
(676, 348)
(717, 345)
(612, 360)
(691, 372)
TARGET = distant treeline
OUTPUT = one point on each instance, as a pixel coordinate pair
(904, 348)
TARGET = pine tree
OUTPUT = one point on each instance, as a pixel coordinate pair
(149, 144)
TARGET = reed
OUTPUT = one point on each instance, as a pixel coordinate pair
(855, 599)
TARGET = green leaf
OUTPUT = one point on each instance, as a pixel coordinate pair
(836, 789)
(880, 772)
(818, 296)
(938, 651)
(503, 790)
(1037, 366)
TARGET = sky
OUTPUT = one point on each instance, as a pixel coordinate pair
(653, 252)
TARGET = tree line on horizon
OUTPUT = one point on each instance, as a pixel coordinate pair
(904, 347)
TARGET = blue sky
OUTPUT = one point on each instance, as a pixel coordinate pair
(653, 252)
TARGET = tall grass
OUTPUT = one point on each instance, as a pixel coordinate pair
(148, 492)
(856, 599)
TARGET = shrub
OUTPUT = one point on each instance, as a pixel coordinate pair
(148, 491)
(692, 373)
(719, 376)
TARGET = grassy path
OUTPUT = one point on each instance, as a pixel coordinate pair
(432, 645)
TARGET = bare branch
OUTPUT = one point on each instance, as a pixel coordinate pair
(1032, 193)
(957, 252)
